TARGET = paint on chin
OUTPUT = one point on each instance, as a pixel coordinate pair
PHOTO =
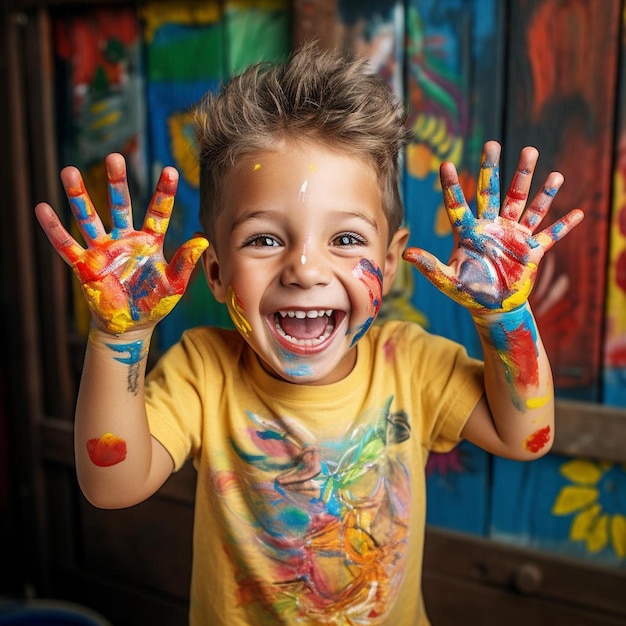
(294, 367)
(106, 450)
(371, 277)
(237, 312)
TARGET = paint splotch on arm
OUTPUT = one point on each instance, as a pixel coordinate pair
(514, 338)
(106, 450)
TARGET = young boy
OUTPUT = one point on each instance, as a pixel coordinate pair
(309, 426)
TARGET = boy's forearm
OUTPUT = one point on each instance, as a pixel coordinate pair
(518, 382)
(113, 445)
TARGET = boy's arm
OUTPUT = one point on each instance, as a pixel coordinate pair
(492, 271)
(129, 287)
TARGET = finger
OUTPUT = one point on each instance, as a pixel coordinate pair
(548, 237)
(457, 208)
(67, 247)
(184, 260)
(536, 211)
(158, 214)
(432, 268)
(119, 196)
(87, 219)
(517, 194)
(488, 193)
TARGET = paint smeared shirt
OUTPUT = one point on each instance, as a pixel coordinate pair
(310, 501)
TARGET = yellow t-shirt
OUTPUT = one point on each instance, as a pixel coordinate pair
(310, 501)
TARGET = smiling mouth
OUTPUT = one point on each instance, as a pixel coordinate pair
(306, 329)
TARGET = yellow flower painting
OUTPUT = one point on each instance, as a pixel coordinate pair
(596, 498)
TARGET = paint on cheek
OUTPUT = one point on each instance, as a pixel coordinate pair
(107, 450)
(371, 277)
(237, 312)
(538, 440)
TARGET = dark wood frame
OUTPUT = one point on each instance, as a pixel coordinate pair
(475, 572)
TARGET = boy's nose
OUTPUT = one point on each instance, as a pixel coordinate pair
(306, 268)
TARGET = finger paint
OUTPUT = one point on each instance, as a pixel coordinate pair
(488, 198)
(85, 216)
(237, 312)
(371, 277)
(107, 450)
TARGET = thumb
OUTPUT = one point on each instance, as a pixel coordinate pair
(184, 260)
(423, 261)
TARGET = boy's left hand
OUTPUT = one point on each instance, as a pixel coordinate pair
(494, 263)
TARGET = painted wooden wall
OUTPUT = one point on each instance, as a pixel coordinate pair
(541, 72)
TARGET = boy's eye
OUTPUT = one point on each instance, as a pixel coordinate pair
(349, 239)
(261, 241)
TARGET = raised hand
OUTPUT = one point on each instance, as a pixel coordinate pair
(124, 276)
(493, 266)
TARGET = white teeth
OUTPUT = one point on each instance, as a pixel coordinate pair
(307, 342)
(303, 314)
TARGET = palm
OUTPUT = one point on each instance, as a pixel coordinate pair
(126, 281)
(493, 266)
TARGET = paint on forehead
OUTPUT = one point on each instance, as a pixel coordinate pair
(312, 168)
(256, 167)
(237, 312)
(371, 277)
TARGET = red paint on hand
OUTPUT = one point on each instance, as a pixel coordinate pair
(107, 450)
(538, 440)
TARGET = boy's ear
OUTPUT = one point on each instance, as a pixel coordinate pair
(392, 260)
(211, 266)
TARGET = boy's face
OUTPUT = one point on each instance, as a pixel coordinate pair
(302, 258)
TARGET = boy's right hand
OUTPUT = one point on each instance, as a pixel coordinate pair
(127, 283)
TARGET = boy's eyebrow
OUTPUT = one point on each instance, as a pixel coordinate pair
(264, 213)
(359, 215)
(252, 215)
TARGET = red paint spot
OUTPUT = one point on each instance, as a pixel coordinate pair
(538, 440)
(106, 451)
(523, 356)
